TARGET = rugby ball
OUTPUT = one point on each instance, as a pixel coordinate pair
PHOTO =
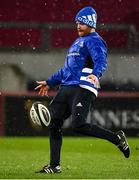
(40, 114)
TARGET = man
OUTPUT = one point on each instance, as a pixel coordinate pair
(85, 63)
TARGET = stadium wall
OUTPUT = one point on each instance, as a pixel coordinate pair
(41, 65)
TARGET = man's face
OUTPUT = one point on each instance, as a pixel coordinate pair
(83, 29)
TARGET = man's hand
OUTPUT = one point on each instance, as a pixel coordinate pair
(42, 87)
(94, 80)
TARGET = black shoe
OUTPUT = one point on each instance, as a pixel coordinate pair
(123, 144)
(49, 169)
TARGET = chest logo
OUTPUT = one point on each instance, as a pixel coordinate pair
(81, 44)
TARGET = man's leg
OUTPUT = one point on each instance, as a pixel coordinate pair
(80, 108)
(59, 111)
(55, 137)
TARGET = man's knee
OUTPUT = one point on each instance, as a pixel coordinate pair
(55, 132)
(81, 127)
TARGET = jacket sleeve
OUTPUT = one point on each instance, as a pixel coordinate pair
(55, 79)
(98, 52)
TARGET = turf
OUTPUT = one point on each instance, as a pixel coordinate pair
(82, 158)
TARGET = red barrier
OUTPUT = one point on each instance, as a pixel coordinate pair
(113, 94)
(119, 94)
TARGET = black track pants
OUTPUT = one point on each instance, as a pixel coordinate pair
(74, 101)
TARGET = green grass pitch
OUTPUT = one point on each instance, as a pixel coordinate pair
(82, 158)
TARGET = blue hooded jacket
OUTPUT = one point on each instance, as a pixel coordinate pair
(87, 55)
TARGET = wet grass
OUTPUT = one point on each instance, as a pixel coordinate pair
(82, 158)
